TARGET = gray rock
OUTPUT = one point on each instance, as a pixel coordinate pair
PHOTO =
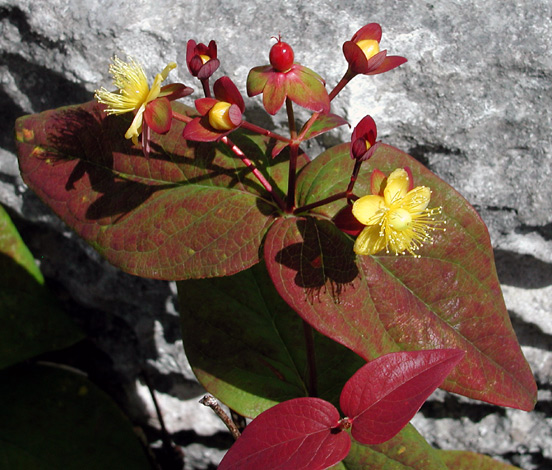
(473, 103)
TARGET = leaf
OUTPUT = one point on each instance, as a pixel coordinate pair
(191, 210)
(251, 353)
(32, 321)
(408, 450)
(385, 394)
(462, 460)
(294, 435)
(323, 123)
(53, 418)
(448, 298)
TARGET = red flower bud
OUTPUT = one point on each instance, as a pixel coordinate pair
(363, 53)
(201, 59)
(363, 140)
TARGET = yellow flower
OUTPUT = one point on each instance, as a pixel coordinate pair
(134, 92)
(398, 221)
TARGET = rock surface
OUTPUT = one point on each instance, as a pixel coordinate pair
(474, 103)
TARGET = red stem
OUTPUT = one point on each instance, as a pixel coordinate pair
(294, 152)
(249, 164)
(344, 80)
(261, 130)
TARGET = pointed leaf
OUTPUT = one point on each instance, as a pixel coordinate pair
(251, 353)
(53, 418)
(384, 395)
(408, 450)
(462, 460)
(296, 434)
(190, 210)
(450, 297)
(32, 321)
(323, 123)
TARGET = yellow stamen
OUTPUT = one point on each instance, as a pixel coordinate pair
(204, 58)
(399, 221)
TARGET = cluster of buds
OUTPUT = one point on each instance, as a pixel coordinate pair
(395, 218)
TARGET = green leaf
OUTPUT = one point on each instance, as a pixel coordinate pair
(56, 419)
(32, 321)
(462, 460)
(191, 210)
(408, 450)
(247, 346)
(448, 298)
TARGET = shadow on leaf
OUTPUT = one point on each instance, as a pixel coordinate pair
(324, 259)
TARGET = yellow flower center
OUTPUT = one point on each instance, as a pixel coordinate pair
(399, 219)
(370, 47)
(219, 116)
(204, 58)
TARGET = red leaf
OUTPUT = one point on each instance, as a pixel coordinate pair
(386, 393)
(297, 434)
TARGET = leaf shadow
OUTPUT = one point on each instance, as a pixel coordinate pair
(324, 261)
(84, 135)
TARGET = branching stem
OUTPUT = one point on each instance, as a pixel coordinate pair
(249, 164)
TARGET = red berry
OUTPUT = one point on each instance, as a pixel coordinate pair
(281, 56)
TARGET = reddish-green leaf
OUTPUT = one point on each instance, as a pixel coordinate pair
(408, 450)
(190, 210)
(462, 460)
(294, 435)
(251, 353)
(448, 298)
(384, 395)
(32, 321)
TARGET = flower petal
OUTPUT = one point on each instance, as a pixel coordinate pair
(397, 186)
(369, 241)
(369, 210)
(355, 57)
(136, 125)
(369, 31)
(416, 200)
(377, 182)
(208, 69)
(225, 90)
(257, 78)
(204, 105)
(199, 130)
(175, 91)
(388, 64)
(275, 92)
(305, 88)
(158, 115)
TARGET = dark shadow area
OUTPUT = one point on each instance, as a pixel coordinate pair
(545, 231)
(421, 152)
(453, 408)
(323, 260)
(530, 334)
(523, 271)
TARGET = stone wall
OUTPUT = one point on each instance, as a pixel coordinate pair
(473, 102)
